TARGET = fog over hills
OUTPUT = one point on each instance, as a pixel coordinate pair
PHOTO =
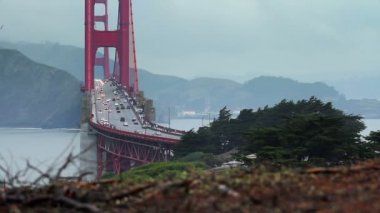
(204, 94)
(359, 87)
(71, 58)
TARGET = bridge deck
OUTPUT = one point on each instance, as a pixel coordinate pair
(107, 99)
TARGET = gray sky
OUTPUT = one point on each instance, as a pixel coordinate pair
(307, 40)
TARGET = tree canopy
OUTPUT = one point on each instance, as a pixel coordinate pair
(306, 131)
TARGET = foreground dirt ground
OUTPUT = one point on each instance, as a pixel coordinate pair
(336, 189)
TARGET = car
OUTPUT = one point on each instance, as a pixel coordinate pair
(122, 107)
(117, 108)
(98, 99)
(157, 133)
(118, 111)
(125, 124)
(116, 104)
(122, 119)
(133, 119)
(128, 107)
(135, 123)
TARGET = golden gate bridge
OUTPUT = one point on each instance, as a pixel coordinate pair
(120, 118)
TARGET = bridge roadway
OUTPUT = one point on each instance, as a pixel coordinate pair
(107, 113)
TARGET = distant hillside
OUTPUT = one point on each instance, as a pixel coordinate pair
(63, 57)
(210, 94)
(203, 94)
(36, 95)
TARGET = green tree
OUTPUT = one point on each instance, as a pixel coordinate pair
(214, 139)
(306, 130)
(201, 141)
(372, 147)
(289, 132)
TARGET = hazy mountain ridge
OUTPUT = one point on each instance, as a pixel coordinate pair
(36, 95)
(201, 96)
(63, 57)
(208, 94)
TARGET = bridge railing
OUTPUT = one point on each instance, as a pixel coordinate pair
(133, 134)
(165, 129)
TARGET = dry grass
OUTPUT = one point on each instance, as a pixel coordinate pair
(336, 189)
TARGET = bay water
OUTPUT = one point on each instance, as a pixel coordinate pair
(48, 148)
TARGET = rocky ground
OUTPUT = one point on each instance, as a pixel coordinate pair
(336, 189)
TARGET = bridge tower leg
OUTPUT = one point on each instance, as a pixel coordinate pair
(89, 46)
(122, 39)
(103, 61)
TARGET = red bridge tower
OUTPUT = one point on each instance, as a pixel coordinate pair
(122, 39)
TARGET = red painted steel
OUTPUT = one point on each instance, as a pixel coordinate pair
(134, 135)
(123, 49)
(122, 39)
(134, 58)
(117, 155)
(89, 47)
(104, 60)
(119, 150)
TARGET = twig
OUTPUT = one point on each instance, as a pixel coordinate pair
(42, 174)
(64, 166)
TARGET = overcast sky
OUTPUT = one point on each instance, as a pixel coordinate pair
(307, 40)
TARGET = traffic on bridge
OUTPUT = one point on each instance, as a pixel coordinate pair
(115, 109)
(121, 119)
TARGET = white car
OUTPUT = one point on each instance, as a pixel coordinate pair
(125, 124)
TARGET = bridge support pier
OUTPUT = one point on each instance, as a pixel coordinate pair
(88, 158)
(100, 156)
